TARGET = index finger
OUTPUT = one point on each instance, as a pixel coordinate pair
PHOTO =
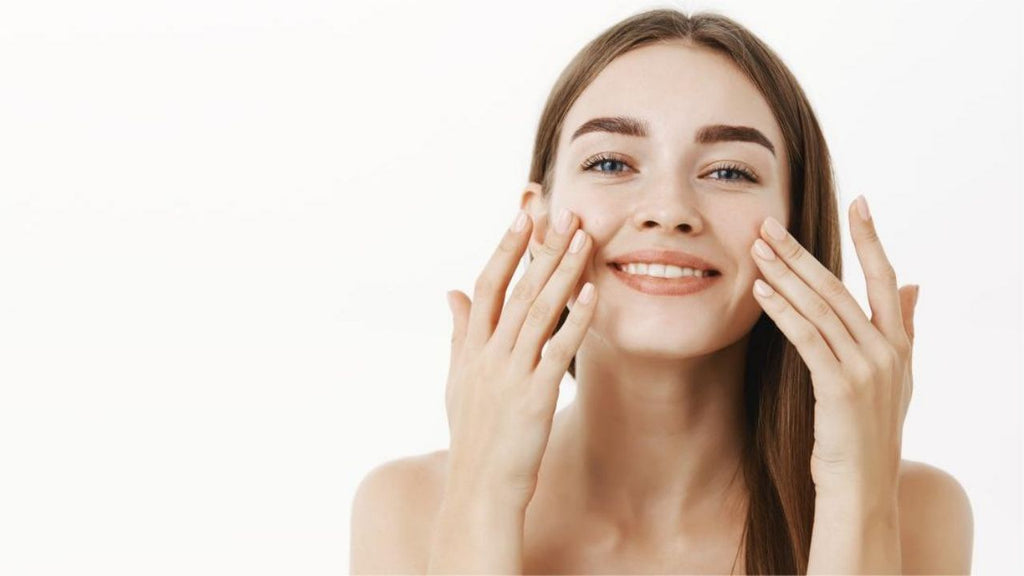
(490, 286)
(882, 286)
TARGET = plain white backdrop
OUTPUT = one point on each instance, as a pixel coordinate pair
(227, 229)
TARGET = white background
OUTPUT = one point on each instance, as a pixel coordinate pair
(227, 228)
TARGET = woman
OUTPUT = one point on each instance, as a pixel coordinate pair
(719, 426)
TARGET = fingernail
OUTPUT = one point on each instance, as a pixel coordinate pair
(587, 293)
(520, 222)
(562, 226)
(764, 249)
(763, 288)
(862, 208)
(577, 241)
(775, 230)
(917, 291)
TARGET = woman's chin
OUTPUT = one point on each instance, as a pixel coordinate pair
(663, 337)
(667, 343)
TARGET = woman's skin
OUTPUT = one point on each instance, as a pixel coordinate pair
(648, 452)
(640, 473)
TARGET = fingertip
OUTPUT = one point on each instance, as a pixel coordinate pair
(762, 288)
(862, 208)
(458, 302)
(518, 223)
(587, 293)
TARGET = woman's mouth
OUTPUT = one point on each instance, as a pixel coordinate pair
(663, 279)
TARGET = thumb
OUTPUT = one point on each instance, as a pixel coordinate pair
(908, 305)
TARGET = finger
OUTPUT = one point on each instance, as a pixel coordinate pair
(459, 304)
(543, 314)
(563, 346)
(489, 290)
(529, 287)
(908, 304)
(804, 336)
(878, 272)
(807, 301)
(822, 281)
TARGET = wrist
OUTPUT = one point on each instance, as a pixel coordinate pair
(484, 502)
(466, 485)
(875, 507)
(476, 533)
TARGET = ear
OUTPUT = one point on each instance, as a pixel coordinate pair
(536, 206)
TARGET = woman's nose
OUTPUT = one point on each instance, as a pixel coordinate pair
(672, 209)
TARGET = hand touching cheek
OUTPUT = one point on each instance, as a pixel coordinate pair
(860, 367)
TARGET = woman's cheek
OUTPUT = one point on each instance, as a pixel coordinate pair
(599, 225)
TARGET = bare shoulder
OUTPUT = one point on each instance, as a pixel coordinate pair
(936, 521)
(392, 515)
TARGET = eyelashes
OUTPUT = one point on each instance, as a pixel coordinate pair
(744, 174)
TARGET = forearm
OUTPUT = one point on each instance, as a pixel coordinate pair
(477, 534)
(855, 536)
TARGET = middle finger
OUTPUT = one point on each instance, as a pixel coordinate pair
(529, 287)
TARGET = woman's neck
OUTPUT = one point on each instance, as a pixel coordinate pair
(656, 446)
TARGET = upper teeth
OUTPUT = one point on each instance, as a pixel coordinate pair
(661, 270)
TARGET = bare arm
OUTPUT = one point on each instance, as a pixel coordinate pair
(477, 533)
(390, 516)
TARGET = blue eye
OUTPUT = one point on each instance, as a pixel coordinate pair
(610, 160)
(601, 159)
(736, 169)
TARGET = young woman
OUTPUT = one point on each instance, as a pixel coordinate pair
(736, 409)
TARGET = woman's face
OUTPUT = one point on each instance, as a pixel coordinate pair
(668, 191)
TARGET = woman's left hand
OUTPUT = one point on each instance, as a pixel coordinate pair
(860, 368)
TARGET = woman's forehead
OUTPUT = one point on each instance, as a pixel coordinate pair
(674, 88)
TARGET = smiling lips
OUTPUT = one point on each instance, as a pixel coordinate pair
(658, 284)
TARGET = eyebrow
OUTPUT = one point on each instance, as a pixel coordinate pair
(709, 134)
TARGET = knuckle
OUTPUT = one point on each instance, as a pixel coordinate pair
(563, 273)
(862, 371)
(539, 313)
(793, 251)
(893, 356)
(576, 320)
(550, 251)
(508, 245)
(885, 274)
(849, 390)
(558, 351)
(524, 291)
(806, 335)
(832, 287)
(484, 284)
(819, 308)
(904, 345)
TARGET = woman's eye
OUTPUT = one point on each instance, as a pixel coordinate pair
(736, 170)
(609, 163)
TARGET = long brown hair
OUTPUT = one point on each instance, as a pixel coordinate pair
(777, 394)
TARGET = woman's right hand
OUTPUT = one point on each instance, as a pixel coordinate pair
(501, 393)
